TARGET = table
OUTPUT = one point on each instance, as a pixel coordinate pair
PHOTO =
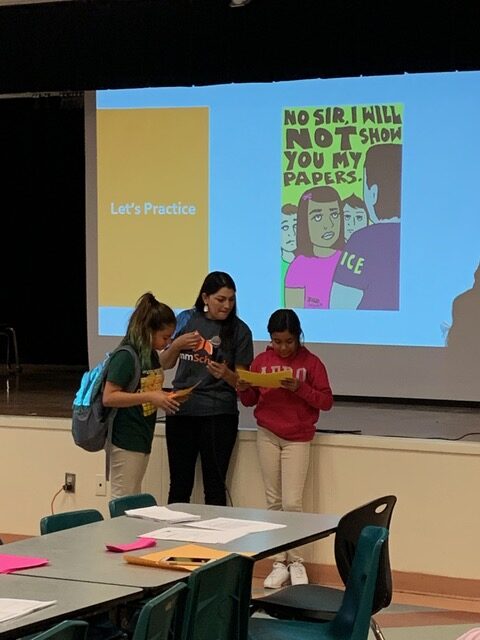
(301, 528)
(80, 554)
(73, 598)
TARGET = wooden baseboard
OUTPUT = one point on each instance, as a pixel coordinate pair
(403, 581)
(12, 537)
(436, 585)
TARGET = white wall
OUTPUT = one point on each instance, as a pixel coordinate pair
(435, 523)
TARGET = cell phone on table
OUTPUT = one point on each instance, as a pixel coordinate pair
(185, 560)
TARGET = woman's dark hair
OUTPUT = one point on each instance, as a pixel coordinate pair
(149, 316)
(215, 281)
(285, 320)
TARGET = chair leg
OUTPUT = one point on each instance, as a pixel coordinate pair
(377, 632)
(11, 336)
(18, 368)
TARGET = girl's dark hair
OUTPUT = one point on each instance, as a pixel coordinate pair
(285, 320)
(215, 281)
(149, 316)
(321, 195)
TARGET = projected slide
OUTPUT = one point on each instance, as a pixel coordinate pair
(351, 200)
(152, 205)
(343, 167)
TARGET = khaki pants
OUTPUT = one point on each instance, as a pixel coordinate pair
(284, 467)
(127, 469)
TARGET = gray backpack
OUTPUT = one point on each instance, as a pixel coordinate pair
(91, 421)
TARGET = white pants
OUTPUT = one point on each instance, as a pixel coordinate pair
(127, 469)
(284, 467)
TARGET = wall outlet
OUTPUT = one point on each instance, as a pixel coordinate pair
(100, 485)
(70, 481)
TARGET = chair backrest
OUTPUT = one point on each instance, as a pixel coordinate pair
(159, 615)
(375, 513)
(352, 621)
(68, 519)
(118, 506)
(218, 600)
(66, 630)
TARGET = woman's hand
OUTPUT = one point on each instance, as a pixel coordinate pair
(217, 369)
(164, 401)
(187, 341)
(169, 356)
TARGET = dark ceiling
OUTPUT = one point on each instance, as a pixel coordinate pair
(77, 45)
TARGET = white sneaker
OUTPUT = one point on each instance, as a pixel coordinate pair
(278, 576)
(297, 572)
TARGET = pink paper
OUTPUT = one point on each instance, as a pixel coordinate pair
(142, 543)
(15, 563)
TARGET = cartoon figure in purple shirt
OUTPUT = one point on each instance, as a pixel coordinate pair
(319, 242)
(367, 276)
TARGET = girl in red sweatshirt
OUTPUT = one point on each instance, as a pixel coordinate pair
(286, 418)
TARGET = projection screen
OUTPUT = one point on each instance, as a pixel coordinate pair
(351, 200)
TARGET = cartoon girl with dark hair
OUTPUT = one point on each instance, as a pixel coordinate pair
(319, 243)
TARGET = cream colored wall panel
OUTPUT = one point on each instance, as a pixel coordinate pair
(156, 476)
(435, 523)
(35, 457)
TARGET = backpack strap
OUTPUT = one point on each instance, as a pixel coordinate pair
(183, 319)
(130, 388)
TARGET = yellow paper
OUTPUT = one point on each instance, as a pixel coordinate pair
(157, 558)
(269, 380)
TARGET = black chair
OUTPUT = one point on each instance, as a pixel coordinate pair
(68, 520)
(118, 506)
(10, 336)
(314, 602)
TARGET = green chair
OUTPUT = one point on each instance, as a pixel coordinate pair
(218, 599)
(66, 630)
(161, 615)
(352, 621)
(315, 602)
(118, 506)
(68, 520)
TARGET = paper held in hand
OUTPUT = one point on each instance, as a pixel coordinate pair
(268, 380)
(182, 394)
(161, 514)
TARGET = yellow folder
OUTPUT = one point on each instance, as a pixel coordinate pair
(159, 558)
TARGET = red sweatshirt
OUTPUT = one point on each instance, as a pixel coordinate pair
(290, 415)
